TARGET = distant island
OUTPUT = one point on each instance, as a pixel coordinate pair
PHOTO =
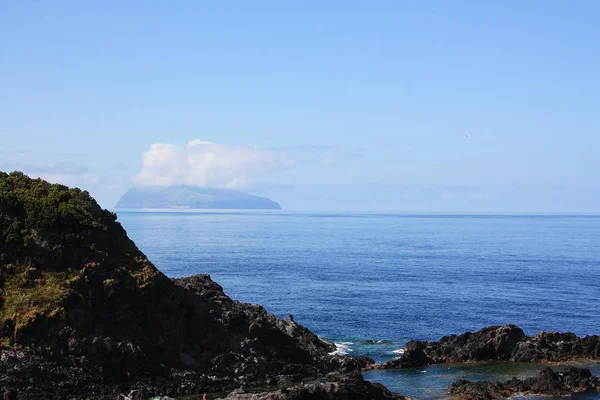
(193, 197)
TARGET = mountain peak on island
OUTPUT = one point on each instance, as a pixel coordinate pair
(193, 197)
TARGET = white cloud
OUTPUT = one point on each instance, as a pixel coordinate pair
(203, 163)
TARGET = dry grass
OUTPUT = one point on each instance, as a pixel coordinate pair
(23, 304)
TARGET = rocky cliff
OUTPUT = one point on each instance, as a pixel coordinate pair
(84, 313)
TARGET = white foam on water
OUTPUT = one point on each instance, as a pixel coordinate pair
(398, 351)
(342, 349)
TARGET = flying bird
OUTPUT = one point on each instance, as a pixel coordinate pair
(467, 136)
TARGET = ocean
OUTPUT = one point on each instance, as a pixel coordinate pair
(370, 282)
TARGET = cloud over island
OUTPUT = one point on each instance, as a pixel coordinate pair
(203, 163)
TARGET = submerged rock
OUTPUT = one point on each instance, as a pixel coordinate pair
(498, 343)
(548, 382)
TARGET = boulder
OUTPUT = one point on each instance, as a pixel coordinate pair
(498, 343)
(548, 382)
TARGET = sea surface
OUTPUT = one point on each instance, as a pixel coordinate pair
(371, 282)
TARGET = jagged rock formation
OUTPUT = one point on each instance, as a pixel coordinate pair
(84, 313)
(498, 343)
(548, 382)
(351, 387)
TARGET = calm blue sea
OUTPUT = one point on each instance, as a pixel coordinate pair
(371, 282)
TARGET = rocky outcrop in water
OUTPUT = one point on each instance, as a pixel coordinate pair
(84, 313)
(498, 343)
(341, 388)
(548, 382)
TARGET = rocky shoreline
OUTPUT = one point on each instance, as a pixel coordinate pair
(548, 383)
(498, 343)
(85, 315)
(269, 353)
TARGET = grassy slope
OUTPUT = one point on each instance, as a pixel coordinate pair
(52, 238)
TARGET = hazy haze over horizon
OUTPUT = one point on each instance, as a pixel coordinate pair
(438, 106)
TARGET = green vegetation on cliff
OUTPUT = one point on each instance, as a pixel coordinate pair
(31, 208)
(51, 238)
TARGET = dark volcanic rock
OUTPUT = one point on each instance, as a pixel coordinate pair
(466, 390)
(84, 313)
(414, 356)
(548, 382)
(498, 343)
(555, 346)
(352, 387)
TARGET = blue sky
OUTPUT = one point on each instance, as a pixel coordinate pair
(344, 105)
